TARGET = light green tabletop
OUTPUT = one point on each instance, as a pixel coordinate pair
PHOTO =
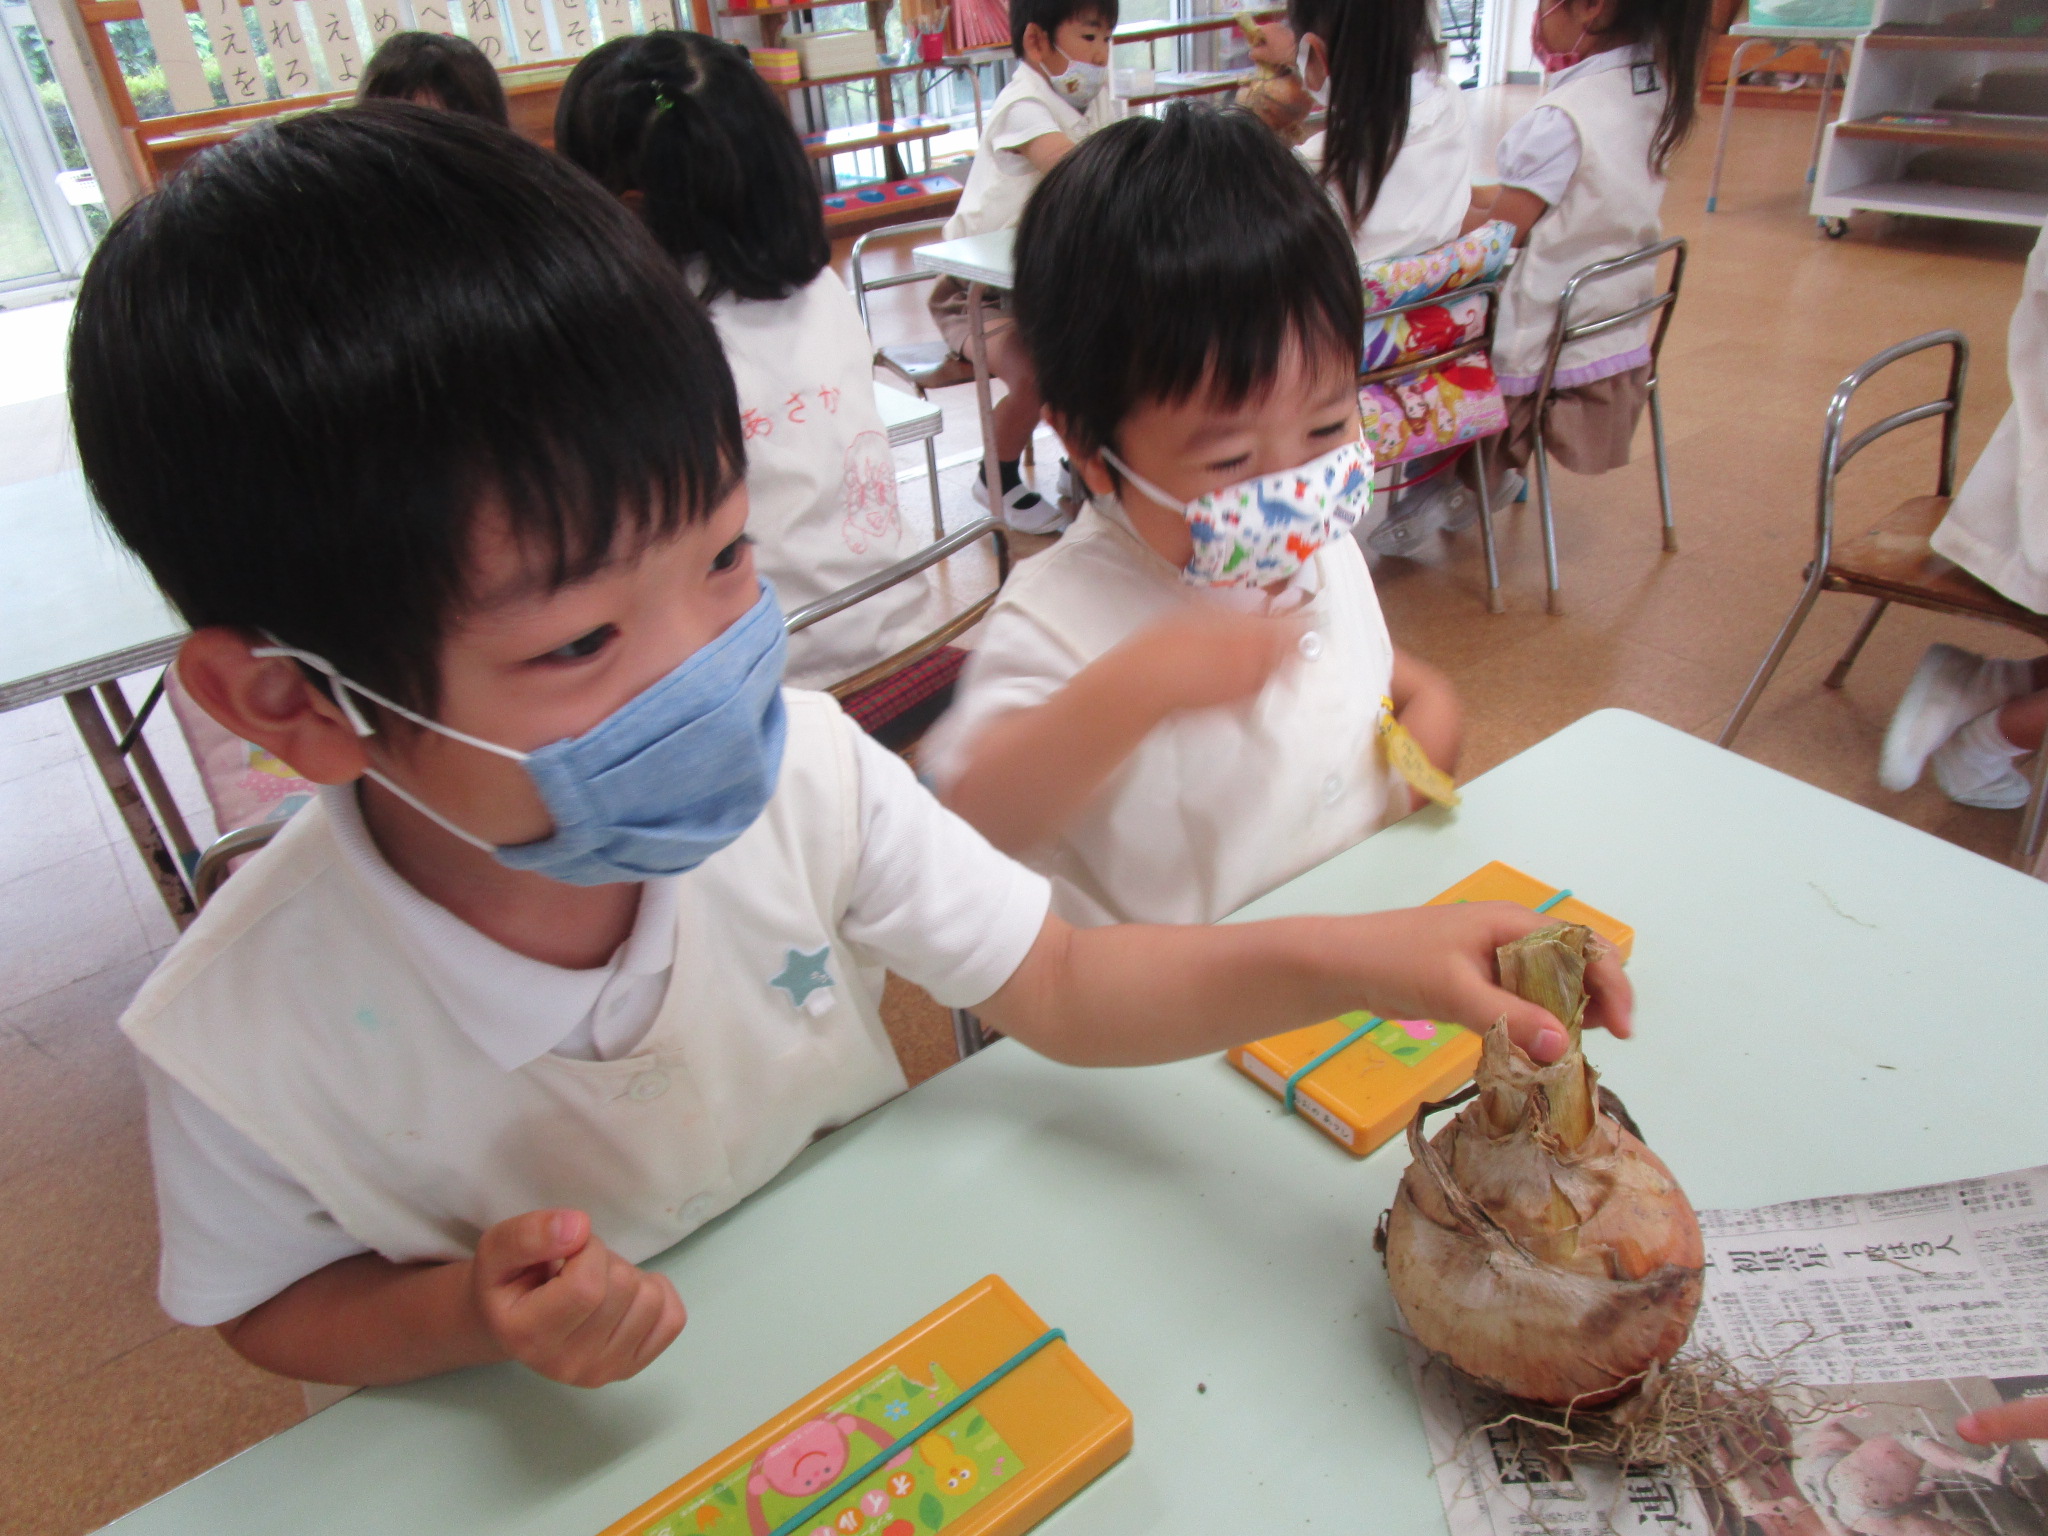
(989, 258)
(75, 607)
(1186, 1235)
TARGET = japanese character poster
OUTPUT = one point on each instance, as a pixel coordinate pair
(184, 76)
(530, 29)
(485, 20)
(335, 29)
(616, 17)
(291, 51)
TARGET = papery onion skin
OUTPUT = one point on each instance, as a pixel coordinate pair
(1558, 1271)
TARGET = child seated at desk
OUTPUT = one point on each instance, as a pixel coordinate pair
(1177, 708)
(585, 939)
(681, 128)
(435, 70)
(1057, 97)
(1582, 180)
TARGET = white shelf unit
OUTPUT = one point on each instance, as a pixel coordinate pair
(1863, 161)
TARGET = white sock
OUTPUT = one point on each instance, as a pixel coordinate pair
(1978, 755)
(2011, 678)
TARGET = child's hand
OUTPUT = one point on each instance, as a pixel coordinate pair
(1204, 657)
(1273, 44)
(560, 1302)
(2026, 1419)
(1438, 963)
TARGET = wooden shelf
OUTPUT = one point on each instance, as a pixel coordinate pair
(879, 72)
(1154, 31)
(785, 10)
(845, 141)
(1886, 40)
(1963, 130)
(879, 202)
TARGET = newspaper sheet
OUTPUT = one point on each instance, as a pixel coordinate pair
(1888, 1315)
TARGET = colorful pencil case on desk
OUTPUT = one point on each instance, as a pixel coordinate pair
(979, 1420)
(1358, 1079)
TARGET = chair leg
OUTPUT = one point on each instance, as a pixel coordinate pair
(1554, 602)
(1772, 657)
(1840, 675)
(967, 1033)
(1493, 597)
(2029, 846)
(1663, 468)
(931, 473)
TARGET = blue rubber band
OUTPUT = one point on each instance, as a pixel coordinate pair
(1564, 895)
(1343, 1045)
(909, 1437)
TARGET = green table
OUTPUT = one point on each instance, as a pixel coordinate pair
(1187, 1236)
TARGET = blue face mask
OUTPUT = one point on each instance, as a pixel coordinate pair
(657, 787)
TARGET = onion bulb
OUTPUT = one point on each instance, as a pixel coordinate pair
(1535, 1242)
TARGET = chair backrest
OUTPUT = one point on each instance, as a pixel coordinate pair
(1661, 303)
(863, 285)
(1834, 453)
(1425, 380)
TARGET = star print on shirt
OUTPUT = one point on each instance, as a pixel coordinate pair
(806, 979)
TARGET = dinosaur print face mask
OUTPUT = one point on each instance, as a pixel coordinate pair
(1259, 531)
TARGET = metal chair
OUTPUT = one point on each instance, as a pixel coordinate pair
(1564, 333)
(1480, 345)
(1893, 562)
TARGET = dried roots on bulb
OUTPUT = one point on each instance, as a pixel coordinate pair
(1535, 1243)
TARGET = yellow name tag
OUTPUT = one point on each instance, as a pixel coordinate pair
(1406, 757)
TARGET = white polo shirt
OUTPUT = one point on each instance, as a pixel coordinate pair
(1001, 180)
(336, 1065)
(1216, 806)
(1427, 190)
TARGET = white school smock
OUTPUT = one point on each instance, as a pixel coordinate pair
(305, 1023)
(822, 506)
(1423, 201)
(1216, 806)
(1997, 526)
(1001, 180)
(1610, 207)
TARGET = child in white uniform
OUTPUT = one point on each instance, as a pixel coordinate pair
(1394, 151)
(584, 940)
(1178, 707)
(1973, 717)
(1058, 95)
(1582, 179)
(681, 127)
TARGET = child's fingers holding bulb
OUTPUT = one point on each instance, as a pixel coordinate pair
(1460, 983)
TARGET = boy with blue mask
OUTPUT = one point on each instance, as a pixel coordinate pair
(1057, 96)
(1183, 704)
(585, 938)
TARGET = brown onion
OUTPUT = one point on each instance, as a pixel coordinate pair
(1535, 1242)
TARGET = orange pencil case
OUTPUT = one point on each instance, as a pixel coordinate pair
(1358, 1079)
(979, 1421)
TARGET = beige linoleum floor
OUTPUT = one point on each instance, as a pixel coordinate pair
(106, 1403)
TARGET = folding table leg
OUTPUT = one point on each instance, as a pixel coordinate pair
(157, 857)
(1727, 117)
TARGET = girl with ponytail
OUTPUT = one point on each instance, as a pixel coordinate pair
(681, 129)
(1582, 180)
(1394, 151)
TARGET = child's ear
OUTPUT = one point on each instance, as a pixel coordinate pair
(1089, 465)
(1038, 47)
(269, 701)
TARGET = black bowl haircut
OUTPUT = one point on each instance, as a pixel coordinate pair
(1052, 15)
(451, 70)
(684, 120)
(1166, 256)
(300, 369)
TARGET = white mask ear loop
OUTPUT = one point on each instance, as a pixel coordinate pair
(362, 727)
(1143, 484)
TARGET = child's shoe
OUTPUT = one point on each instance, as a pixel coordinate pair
(1024, 510)
(1978, 766)
(1950, 688)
